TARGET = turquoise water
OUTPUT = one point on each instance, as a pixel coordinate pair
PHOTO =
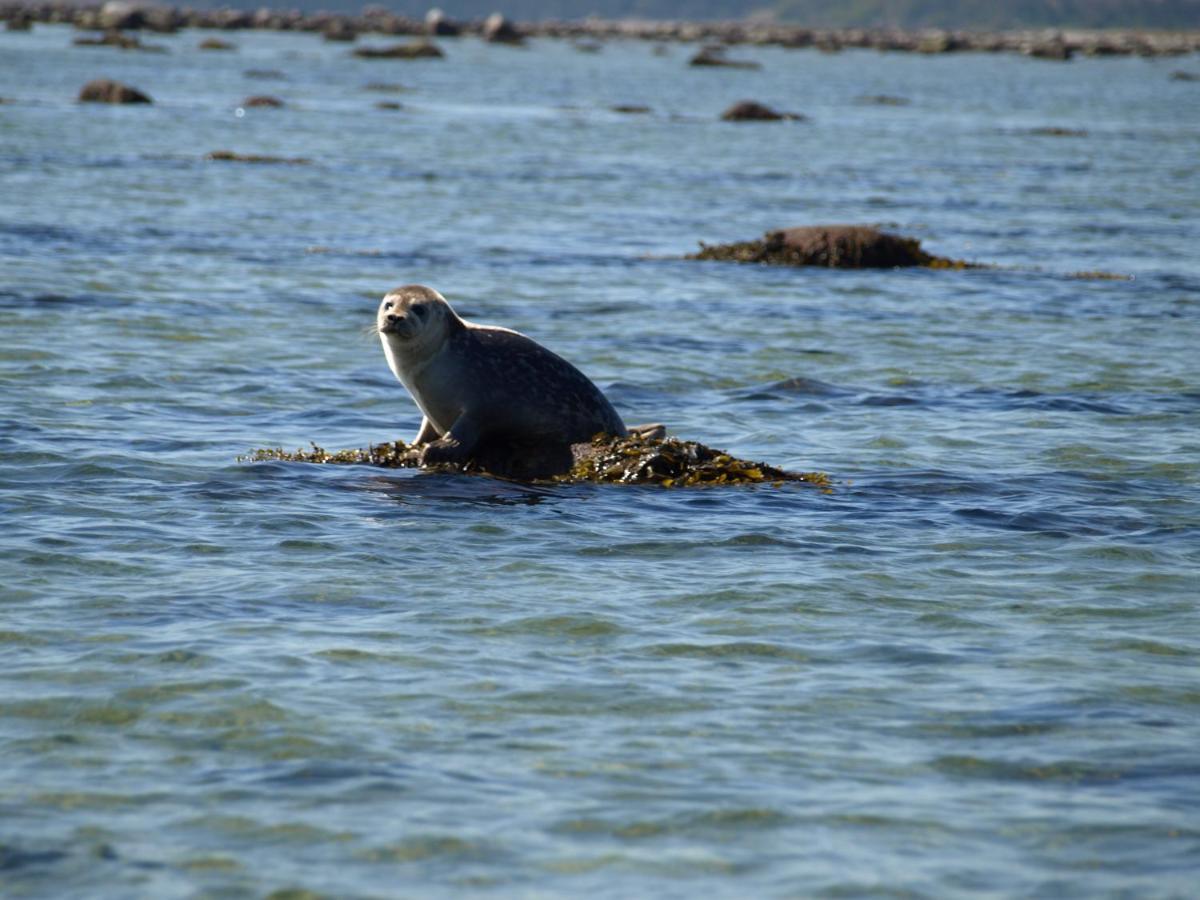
(969, 670)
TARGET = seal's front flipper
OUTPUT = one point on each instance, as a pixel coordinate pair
(453, 447)
(426, 433)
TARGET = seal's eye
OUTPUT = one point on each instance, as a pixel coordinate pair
(388, 305)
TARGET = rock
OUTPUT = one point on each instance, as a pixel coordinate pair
(19, 21)
(636, 459)
(104, 90)
(1055, 131)
(439, 24)
(1053, 49)
(1181, 75)
(120, 14)
(265, 74)
(498, 30)
(215, 44)
(631, 109)
(339, 30)
(714, 55)
(749, 111)
(110, 38)
(263, 101)
(881, 100)
(388, 104)
(230, 156)
(412, 50)
(833, 246)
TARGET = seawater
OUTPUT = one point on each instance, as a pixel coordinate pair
(971, 669)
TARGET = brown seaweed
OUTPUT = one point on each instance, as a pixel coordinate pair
(668, 462)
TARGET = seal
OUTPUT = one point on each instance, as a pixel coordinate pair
(480, 384)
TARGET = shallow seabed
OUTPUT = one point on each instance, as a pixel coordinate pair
(970, 670)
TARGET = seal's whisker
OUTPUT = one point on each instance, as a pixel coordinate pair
(371, 330)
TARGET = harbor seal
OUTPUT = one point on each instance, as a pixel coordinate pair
(478, 384)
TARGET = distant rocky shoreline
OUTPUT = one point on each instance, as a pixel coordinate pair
(1045, 44)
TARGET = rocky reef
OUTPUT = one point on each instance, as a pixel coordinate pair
(636, 459)
(832, 246)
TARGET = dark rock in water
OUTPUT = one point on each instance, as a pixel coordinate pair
(1053, 49)
(388, 104)
(111, 38)
(230, 156)
(385, 87)
(265, 74)
(834, 246)
(339, 30)
(750, 111)
(121, 14)
(498, 30)
(413, 50)
(1181, 75)
(1054, 131)
(587, 46)
(105, 90)
(881, 100)
(262, 101)
(438, 24)
(630, 109)
(669, 462)
(215, 44)
(19, 21)
(714, 56)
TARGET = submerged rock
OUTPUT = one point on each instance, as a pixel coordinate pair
(750, 111)
(834, 246)
(230, 156)
(213, 43)
(714, 56)
(411, 50)
(262, 101)
(105, 90)
(636, 459)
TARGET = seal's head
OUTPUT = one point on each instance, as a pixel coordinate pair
(413, 321)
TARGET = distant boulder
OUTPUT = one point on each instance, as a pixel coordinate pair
(262, 101)
(498, 30)
(439, 24)
(213, 43)
(120, 14)
(339, 30)
(750, 111)
(105, 90)
(832, 246)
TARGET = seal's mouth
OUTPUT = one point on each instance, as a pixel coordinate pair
(400, 326)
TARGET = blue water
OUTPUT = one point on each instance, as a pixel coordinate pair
(971, 669)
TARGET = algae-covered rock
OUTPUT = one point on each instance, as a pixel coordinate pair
(834, 246)
(752, 111)
(105, 90)
(421, 49)
(669, 462)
